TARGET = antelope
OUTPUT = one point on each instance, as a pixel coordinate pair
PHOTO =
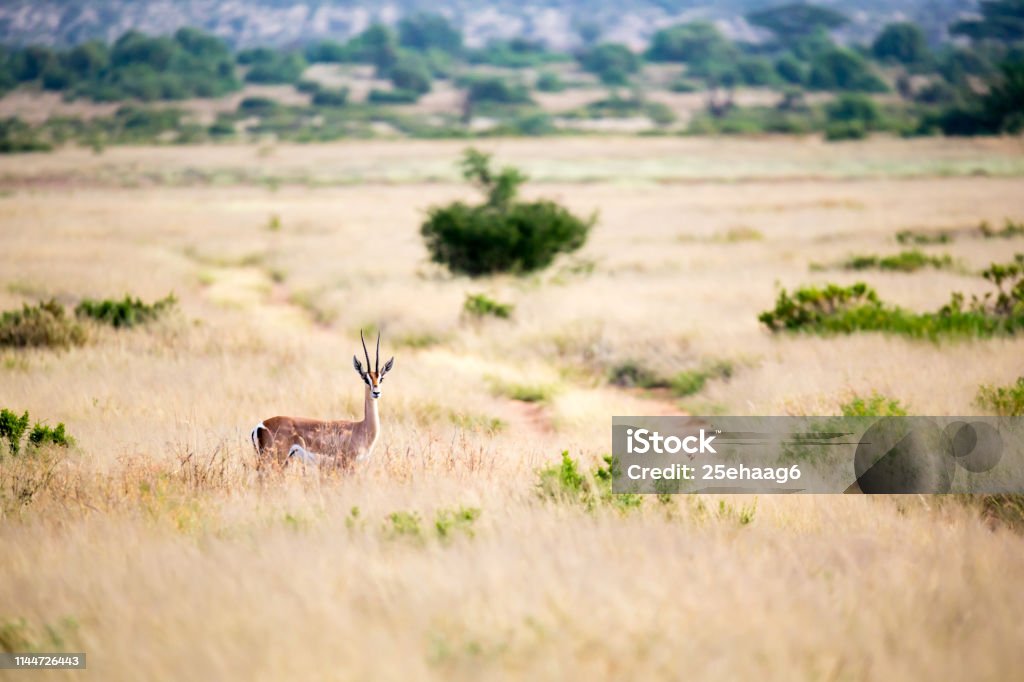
(314, 441)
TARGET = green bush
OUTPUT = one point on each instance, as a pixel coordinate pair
(699, 44)
(125, 313)
(411, 74)
(271, 66)
(13, 428)
(516, 53)
(917, 237)
(837, 309)
(496, 90)
(328, 51)
(1010, 230)
(682, 384)
(45, 324)
(17, 137)
(999, 111)
(837, 131)
(611, 62)
(330, 98)
(691, 382)
(631, 373)
(905, 261)
(843, 69)
(480, 306)
(791, 70)
(565, 483)
(425, 31)
(501, 234)
(1006, 401)
(448, 522)
(875, 405)
(548, 81)
(258, 106)
(684, 85)
(901, 42)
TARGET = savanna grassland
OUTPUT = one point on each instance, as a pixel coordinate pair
(151, 545)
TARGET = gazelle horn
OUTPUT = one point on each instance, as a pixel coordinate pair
(376, 364)
(365, 352)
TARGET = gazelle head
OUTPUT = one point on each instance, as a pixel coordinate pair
(375, 377)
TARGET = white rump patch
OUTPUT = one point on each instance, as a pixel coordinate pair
(303, 454)
(255, 437)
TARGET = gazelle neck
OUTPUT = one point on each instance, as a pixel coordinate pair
(371, 418)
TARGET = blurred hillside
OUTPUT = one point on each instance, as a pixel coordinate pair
(562, 24)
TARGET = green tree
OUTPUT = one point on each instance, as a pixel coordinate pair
(272, 66)
(137, 48)
(1000, 21)
(901, 42)
(791, 69)
(696, 42)
(612, 62)
(88, 59)
(426, 31)
(502, 234)
(328, 51)
(377, 45)
(843, 69)
(411, 73)
(496, 90)
(794, 21)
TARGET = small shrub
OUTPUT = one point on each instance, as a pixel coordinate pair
(403, 524)
(1004, 508)
(562, 482)
(812, 307)
(43, 325)
(274, 223)
(502, 234)
(631, 373)
(739, 234)
(875, 405)
(1005, 401)
(565, 483)
(692, 381)
(688, 382)
(684, 85)
(13, 428)
(44, 435)
(1010, 230)
(330, 98)
(916, 237)
(496, 90)
(905, 261)
(447, 522)
(837, 309)
(548, 81)
(480, 306)
(127, 313)
(743, 516)
(527, 393)
(837, 131)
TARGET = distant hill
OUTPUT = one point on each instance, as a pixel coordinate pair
(563, 24)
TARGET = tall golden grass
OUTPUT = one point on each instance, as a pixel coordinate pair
(154, 547)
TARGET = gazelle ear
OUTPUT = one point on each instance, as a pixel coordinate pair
(388, 365)
(358, 365)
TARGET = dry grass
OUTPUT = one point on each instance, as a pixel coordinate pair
(159, 543)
